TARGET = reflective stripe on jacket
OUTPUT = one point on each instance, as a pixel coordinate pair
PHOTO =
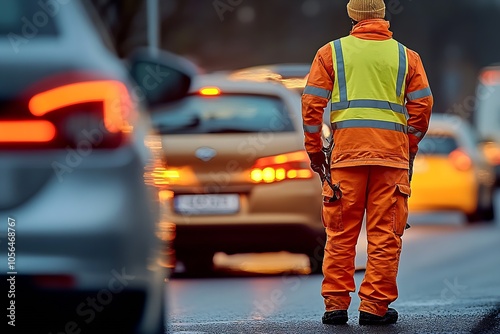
(380, 98)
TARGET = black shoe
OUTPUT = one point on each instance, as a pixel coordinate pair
(390, 317)
(335, 317)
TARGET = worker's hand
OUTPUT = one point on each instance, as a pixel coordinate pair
(318, 162)
(410, 170)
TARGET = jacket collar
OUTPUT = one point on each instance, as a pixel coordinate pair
(375, 29)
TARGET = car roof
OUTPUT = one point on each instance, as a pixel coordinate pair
(292, 70)
(440, 122)
(226, 84)
(246, 87)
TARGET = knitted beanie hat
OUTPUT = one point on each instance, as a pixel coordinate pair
(360, 10)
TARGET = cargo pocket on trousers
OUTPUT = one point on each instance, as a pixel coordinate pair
(331, 210)
(400, 208)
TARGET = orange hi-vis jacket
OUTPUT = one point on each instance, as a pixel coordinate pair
(379, 95)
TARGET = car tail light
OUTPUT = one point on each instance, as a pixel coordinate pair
(161, 176)
(86, 113)
(492, 153)
(460, 160)
(26, 131)
(281, 167)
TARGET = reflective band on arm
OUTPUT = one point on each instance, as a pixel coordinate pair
(401, 70)
(312, 128)
(368, 104)
(340, 70)
(360, 123)
(316, 91)
(415, 132)
(419, 94)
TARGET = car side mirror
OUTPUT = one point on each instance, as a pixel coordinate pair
(162, 77)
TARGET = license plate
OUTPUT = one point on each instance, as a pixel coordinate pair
(207, 204)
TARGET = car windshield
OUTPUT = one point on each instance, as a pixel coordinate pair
(225, 114)
(436, 144)
(22, 19)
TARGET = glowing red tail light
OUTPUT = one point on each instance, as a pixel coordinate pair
(98, 112)
(26, 131)
(112, 94)
(460, 160)
(281, 167)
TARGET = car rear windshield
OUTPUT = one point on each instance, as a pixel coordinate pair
(225, 114)
(22, 20)
(434, 144)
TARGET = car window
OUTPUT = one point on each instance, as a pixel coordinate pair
(25, 19)
(225, 114)
(436, 144)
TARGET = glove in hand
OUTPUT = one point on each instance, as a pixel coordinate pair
(318, 162)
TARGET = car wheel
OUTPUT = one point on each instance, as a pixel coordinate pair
(482, 214)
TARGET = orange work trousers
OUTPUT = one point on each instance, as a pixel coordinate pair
(383, 192)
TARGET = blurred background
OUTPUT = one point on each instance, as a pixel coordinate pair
(455, 38)
(162, 169)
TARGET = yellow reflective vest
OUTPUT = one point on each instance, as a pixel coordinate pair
(368, 96)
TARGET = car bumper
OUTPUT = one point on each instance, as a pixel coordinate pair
(51, 310)
(461, 196)
(232, 239)
(276, 217)
(97, 227)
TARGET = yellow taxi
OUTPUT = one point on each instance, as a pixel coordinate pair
(239, 174)
(450, 173)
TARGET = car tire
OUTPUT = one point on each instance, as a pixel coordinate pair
(482, 214)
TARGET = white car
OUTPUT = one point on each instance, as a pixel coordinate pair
(80, 226)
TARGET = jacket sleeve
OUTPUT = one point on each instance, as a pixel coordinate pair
(315, 98)
(419, 101)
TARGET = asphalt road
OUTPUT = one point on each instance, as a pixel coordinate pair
(449, 282)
